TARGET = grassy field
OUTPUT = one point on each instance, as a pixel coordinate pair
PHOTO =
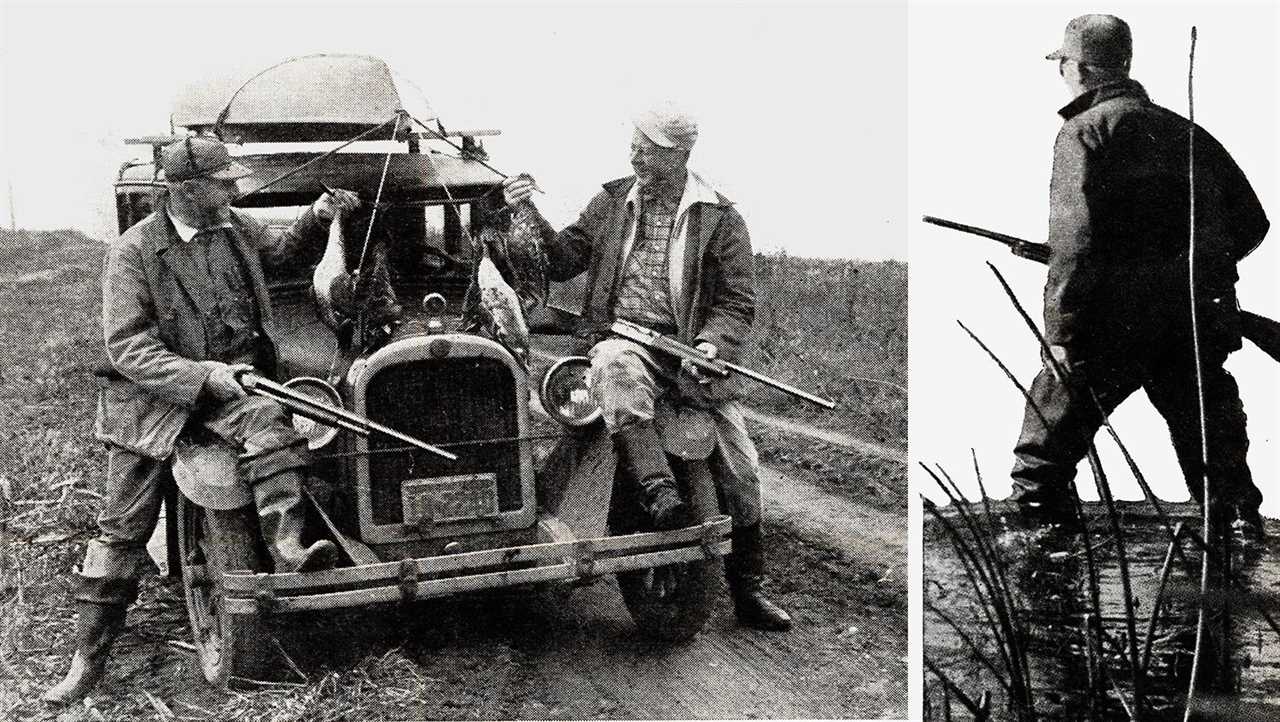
(830, 326)
(50, 298)
(837, 328)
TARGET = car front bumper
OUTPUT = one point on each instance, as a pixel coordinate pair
(581, 560)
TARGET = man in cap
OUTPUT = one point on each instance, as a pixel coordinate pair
(185, 308)
(663, 249)
(1117, 308)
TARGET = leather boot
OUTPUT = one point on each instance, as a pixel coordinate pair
(282, 517)
(642, 453)
(744, 569)
(97, 626)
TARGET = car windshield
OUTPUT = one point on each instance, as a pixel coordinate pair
(421, 244)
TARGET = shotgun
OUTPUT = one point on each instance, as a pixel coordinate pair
(1263, 332)
(716, 367)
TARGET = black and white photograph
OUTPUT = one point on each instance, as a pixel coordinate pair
(1093, 421)
(397, 361)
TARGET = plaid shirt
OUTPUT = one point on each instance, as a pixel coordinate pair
(644, 292)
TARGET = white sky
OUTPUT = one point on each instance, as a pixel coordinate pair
(800, 125)
(983, 117)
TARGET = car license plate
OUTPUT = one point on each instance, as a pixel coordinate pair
(449, 498)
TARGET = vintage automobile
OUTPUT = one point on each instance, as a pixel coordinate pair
(410, 525)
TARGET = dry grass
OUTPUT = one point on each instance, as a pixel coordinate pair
(49, 295)
(837, 328)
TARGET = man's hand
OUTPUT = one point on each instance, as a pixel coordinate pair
(327, 205)
(517, 188)
(706, 348)
(222, 384)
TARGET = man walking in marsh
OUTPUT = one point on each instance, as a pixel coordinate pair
(1117, 312)
(662, 248)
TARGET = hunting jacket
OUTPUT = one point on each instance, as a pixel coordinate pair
(716, 302)
(1118, 227)
(152, 305)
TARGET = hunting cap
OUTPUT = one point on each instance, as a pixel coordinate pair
(667, 125)
(199, 157)
(1101, 40)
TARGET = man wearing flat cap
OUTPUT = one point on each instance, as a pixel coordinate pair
(663, 249)
(185, 308)
(1117, 304)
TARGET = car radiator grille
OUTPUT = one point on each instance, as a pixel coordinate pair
(442, 401)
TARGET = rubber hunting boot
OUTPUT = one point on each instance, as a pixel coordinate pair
(281, 514)
(97, 626)
(642, 454)
(744, 569)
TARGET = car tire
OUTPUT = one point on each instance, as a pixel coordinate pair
(679, 611)
(231, 647)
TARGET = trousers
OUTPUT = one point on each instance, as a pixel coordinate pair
(268, 445)
(1055, 438)
(626, 378)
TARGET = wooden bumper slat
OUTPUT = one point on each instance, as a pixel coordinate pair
(569, 569)
(246, 583)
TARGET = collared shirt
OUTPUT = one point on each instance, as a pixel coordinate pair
(696, 190)
(186, 232)
(644, 290)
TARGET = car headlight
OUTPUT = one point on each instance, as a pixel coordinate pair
(565, 392)
(318, 435)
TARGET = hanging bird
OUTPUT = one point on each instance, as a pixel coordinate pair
(515, 249)
(526, 256)
(503, 307)
(332, 266)
(341, 296)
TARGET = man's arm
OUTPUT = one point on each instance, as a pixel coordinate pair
(301, 245)
(1074, 271)
(1246, 219)
(569, 251)
(732, 306)
(132, 336)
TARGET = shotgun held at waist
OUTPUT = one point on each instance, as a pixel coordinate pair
(1263, 332)
(649, 338)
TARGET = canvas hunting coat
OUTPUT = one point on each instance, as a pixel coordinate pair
(1119, 228)
(152, 308)
(714, 279)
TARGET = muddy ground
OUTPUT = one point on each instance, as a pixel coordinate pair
(1049, 587)
(834, 502)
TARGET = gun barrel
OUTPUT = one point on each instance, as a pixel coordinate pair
(339, 417)
(781, 386)
(1038, 252)
(311, 412)
(1011, 241)
(653, 339)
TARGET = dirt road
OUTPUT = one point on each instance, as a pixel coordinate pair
(553, 654)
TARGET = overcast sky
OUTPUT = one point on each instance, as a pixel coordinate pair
(802, 108)
(983, 105)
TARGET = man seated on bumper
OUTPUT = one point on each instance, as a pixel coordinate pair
(665, 250)
(185, 308)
